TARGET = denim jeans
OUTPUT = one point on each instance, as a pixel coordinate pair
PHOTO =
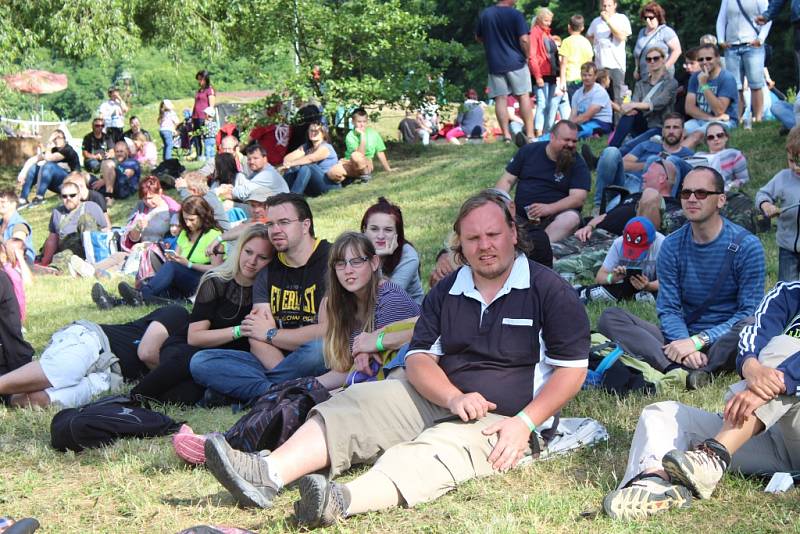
(784, 112)
(746, 61)
(209, 147)
(788, 265)
(172, 280)
(546, 107)
(641, 138)
(50, 177)
(240, 375)
(167, 138)
(92, 165)
(310, 180)
(635, 125)
(610, 171)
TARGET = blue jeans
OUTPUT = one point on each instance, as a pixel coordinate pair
(92, 165)
(631, 144)
(240, 375)
(50, 177)
(636, 126)
(172, 280)
(546, 107)
(610, 171)
(746, 61)
(310, 180)
(784, 112)
(788, 265)
(210, 147)
(587, 129)
(167, 138)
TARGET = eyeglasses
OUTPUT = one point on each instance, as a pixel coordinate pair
(355, 263)
(97, 125)
(699, 194)
(653, 59)
(706, 59)
(650, 17)
(711, 137)
(280, 223)
(66, 195)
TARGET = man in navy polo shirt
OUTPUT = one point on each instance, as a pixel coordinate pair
(553, 182)
(504, 33)
(500, 347)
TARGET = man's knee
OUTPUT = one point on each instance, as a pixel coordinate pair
(610, 156)
(567, 219)
(609, 319)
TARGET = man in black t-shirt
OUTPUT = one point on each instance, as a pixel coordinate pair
(285, 337)
(552, 182)
(96, 147)
(501, 346)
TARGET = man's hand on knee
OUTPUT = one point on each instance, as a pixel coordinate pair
(679, 349)
(513, 435)
(764, 381)
(741, 407)
(695, 360)
(469, 406)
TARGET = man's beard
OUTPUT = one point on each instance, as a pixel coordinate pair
(565, 160)
(672, 140)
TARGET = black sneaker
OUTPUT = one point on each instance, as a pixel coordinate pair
(101, 297)
(130, 295)
(697, 379)
(321, 503)
(37, 201)
(588, 156)
(244, 474)
(520, 139)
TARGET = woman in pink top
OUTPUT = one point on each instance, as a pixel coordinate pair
(204, 98)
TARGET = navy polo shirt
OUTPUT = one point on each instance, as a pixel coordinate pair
(538, 180)
(506, 349)
(500, 29)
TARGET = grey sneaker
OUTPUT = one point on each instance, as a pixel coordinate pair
(321, 503)
(244, 474)
(700, 470)
(644, 497)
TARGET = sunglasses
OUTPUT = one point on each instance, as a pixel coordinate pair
(653, 59)
(711, 137)
(67, 195)
(699, 194)
(650, 17)
(706, 59)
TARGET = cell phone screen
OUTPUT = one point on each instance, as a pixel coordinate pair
(633, 271)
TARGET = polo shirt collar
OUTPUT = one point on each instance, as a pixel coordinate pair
(518, 278)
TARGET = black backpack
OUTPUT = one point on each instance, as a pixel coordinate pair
(167, 171)
(104, 421)
(276, 415)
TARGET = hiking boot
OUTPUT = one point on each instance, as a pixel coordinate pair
(645, 496)
(700, 469)
(130, 295)
(321, 503)
(588, 156)
(102, 299)
(697, 379)
(244, 474)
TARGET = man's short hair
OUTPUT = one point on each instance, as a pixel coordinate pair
(589, 66)
(133, 118)
(78, 177)
(577, 23)
(487, 196)
(300, 206)
(691, 54)
(565, 123)
(674, 115)
(709, 46)
(68, 185)
(359, 112)
(196, 181)
(670, 169)
(10, 195)
(719, 181)
(255, 146)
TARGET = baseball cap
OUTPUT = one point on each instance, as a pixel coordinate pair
(637, 237)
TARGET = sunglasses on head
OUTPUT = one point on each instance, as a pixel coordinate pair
(711, 137)
(68, 195)
(699, 194)
(653, 59)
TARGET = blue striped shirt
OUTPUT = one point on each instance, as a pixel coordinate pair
(392, 304)
(687, 272)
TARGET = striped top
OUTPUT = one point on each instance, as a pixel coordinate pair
(393, 304)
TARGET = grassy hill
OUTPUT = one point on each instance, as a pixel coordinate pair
(139, 485)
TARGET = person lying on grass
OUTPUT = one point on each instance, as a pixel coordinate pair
(501, 346)
(757, 433)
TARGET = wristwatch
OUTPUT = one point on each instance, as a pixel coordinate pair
(702, 336)
(271, 334)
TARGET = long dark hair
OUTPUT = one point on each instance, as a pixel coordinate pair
(386, 207)
(225, 168)
(205, 76)
(197, 205)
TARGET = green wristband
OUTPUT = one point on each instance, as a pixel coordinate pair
(697, 343)
(610, 278)
(527, 420)
(379, 342)
(237, 331)
(704, 88)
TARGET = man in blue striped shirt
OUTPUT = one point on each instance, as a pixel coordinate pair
(701, 311)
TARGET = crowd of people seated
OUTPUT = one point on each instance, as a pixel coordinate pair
(469, 379)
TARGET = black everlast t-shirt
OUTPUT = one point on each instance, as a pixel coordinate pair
(294, 293)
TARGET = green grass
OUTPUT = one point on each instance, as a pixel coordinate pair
(139, 485)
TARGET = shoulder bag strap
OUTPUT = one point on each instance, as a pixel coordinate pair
(747, 18)
(644, 48)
